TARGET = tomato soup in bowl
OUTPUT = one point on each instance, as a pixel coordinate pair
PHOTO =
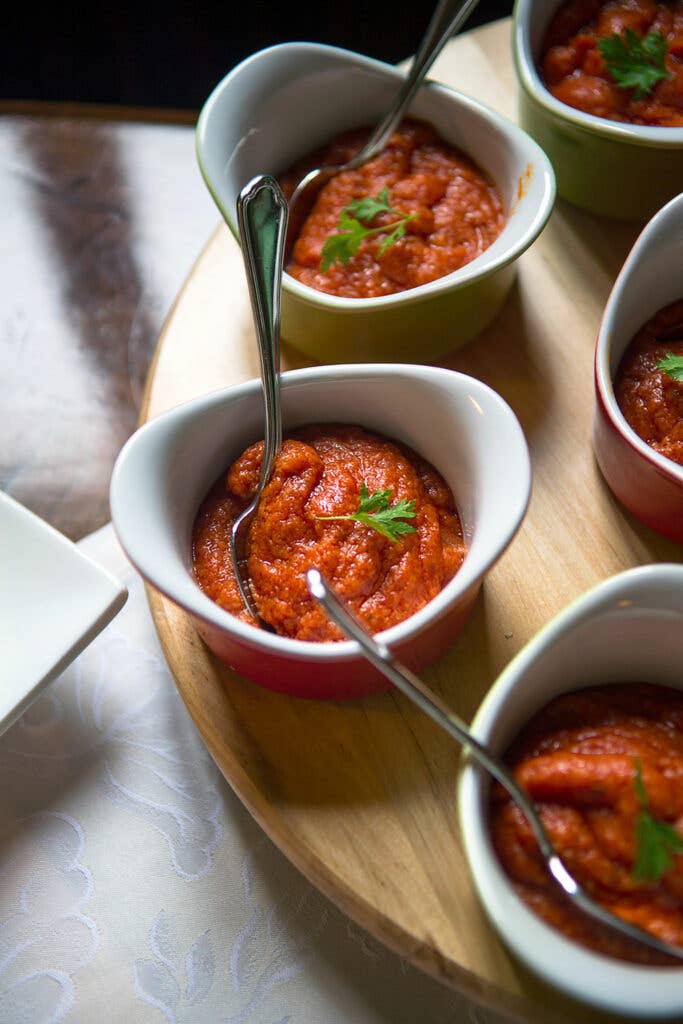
(649, 382)
(603, 766)
(636, 425)
(431, 212)
(613, 154)
(285, 102)
(550, 712)
(621, 60)
(463, 429)
(378, 519)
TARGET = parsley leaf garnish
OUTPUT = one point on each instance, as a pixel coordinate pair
(634, 62)
(367, 208)
(353, 225)
(656, 841)
(672, 366)
(374, 510)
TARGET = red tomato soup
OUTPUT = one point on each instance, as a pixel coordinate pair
(651, 400)
(455, 211)
(574, 69)
(319, 472)
(594, 761)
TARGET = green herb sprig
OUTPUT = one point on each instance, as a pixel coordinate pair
(353, 224)
(656, 841)
(375, 511)
(672, 366)
(635, 62)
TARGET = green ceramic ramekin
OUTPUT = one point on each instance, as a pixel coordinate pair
(285, 101)
(618, 170)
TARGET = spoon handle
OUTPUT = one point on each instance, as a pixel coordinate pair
(262, 219)
(415, 690)
(447, 19)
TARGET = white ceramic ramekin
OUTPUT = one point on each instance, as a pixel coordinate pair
(647, 483)
(284, 102)
(620, 170)
(459, 424)
(54, 601)
(627, 629)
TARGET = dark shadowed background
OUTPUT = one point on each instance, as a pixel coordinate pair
(142, 55)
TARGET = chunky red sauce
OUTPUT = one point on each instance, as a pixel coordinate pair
(574, 71)
(577, 758)
(458, 213)
(651, 401)
(318, 472)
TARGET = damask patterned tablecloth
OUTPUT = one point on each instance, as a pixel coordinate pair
(135, 887)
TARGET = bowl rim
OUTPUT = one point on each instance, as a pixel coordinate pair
(528, 76)
(457, 279)
(202, 607)
(568, 965)
(604, 382)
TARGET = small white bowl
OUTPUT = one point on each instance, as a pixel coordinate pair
(627, 629)
(621, 170)
(647, 483)
(54, 601)
(457, 423)
(284, 102)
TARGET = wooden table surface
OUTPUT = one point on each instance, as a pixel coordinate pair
(103, 214)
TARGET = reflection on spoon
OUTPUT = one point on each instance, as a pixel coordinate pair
(414, 689)
(262, 220)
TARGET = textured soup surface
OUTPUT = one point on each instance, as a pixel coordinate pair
(651, 401)
(458, 213)
(574, 71)
(318, 472)
(578, 758)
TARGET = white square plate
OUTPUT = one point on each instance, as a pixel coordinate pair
(53, 603)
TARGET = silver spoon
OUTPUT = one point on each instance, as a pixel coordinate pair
(447, 19)
(262, 221)
(408, 683)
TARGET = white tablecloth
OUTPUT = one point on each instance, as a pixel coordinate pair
(135, 887)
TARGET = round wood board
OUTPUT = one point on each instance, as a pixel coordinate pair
(361, 796)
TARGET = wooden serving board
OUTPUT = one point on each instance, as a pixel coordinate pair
(361, 796)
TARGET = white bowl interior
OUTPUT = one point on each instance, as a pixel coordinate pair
(536, 15)
(246, 128)
(650, 279)
(468, 433)
(628, 629)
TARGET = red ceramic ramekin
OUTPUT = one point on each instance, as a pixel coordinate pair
(648, 484)
(457, 423)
